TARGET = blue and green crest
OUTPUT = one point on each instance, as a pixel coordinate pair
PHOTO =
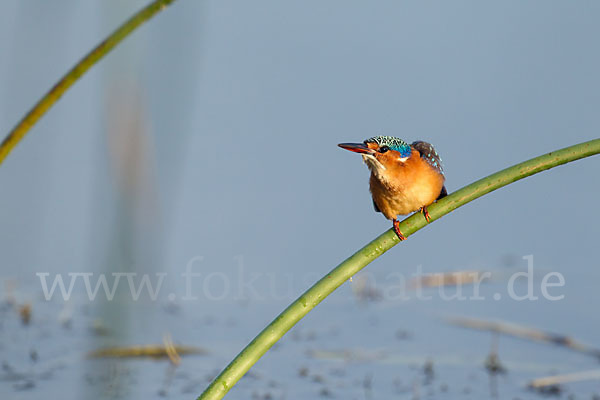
(393, 143)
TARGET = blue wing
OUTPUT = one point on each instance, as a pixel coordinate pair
(429, 154)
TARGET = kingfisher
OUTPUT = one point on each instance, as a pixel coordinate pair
(404, 177)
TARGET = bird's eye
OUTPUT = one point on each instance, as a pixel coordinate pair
(383, 149)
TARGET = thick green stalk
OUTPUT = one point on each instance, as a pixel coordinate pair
(340, 274)
(54, 94)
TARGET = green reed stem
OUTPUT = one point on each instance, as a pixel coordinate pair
(54, 94)
(340, 274)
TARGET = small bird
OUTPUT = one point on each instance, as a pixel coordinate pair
(404, 177)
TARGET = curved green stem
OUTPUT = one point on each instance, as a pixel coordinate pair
(54, 94)
(340, 274)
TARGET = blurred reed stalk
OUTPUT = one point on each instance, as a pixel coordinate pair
(524, 332)
(553, 381)
(54, 94)
(352, 265)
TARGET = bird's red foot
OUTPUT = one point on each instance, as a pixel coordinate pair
(426, 214)
(397, 230)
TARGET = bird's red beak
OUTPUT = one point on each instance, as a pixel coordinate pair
(357, 148)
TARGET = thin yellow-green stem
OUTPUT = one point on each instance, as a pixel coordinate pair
(340, 274)
(54, 94)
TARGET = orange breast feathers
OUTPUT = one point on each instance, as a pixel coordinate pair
(404, 187)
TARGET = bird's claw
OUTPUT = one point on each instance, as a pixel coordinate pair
(397, 230)
(425, 214)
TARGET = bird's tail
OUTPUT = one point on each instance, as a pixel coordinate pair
(443, 193)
